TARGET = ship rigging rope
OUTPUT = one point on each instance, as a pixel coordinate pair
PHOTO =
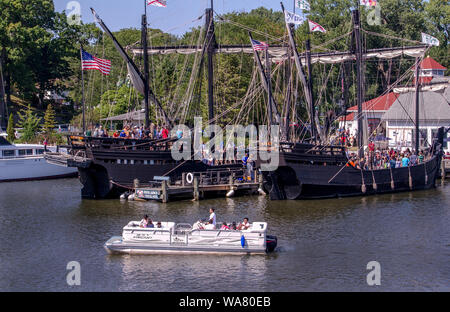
(390, 37)
(246, 27)
(176, 97)
(390, 88)
(196, 72)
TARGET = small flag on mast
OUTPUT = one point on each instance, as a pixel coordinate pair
(430, 40)
(259, 45)
(315, 27)
(159, 3)
(368, 2)
(91, 62)
(292, 18)
(302, 5)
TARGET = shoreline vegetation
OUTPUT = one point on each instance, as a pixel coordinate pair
(41, 61)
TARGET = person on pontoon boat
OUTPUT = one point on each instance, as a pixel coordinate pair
(224, 226)
(212, 216)
(210, 226)
(150, 224)
(245, 225)
(144, 222)
(159, 225)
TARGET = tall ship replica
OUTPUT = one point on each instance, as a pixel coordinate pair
(311, 164)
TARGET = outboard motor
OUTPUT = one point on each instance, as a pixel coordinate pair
(271, 243)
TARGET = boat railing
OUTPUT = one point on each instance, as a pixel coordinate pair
(184, 233)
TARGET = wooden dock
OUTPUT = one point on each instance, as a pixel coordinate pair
(198, 185)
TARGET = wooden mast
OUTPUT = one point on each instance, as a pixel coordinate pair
(312, 108)
(417, 105)
(359, 88)
(267, 84)
(210, 50)
(146, 68)
(301, 74)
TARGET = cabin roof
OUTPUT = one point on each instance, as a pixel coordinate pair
(433, 105)
(381, 103)
(430, 63)
(349, 117)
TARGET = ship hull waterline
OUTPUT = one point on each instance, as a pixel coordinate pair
(304, 181)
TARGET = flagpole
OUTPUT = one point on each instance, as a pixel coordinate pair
(82, 90)
(146, 68)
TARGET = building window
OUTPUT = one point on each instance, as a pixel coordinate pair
(423, 138)
(8, 153)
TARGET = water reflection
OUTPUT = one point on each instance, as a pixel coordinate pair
(188, 273)
(323, 244)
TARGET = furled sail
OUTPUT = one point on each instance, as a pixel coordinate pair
(279, 53)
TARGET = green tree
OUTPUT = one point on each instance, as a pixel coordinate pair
(37, 44)
(49, 120)
(10, 129)
(29, 123)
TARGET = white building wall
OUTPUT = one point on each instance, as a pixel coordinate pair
(401, 132)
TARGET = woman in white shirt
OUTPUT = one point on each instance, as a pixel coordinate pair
(212, 216)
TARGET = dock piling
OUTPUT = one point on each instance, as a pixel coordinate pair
(196, 192)
(165, 195)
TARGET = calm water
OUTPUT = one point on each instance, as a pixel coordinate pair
(323, 245)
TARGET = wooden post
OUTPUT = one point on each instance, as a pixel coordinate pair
(183, 179)
(165, 195)
(136, 183)
(196, 192)
(443, 173)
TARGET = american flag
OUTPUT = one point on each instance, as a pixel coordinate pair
(91, 62)
(160, 3)
(259, 45)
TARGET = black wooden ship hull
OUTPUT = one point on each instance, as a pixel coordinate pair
(303, 174)
(108, 167)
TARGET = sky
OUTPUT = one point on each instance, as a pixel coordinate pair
(176, 18)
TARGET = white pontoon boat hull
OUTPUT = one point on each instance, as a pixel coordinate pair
(171, 239)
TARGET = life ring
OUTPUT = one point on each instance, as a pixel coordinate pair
(189, 178)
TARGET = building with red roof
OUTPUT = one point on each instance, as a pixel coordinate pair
(429, 69)
(373, 110)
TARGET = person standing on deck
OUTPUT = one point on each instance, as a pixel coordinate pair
(371, 147)
(45, 144)
(405, 161)
(212, 216)
(164, 132)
